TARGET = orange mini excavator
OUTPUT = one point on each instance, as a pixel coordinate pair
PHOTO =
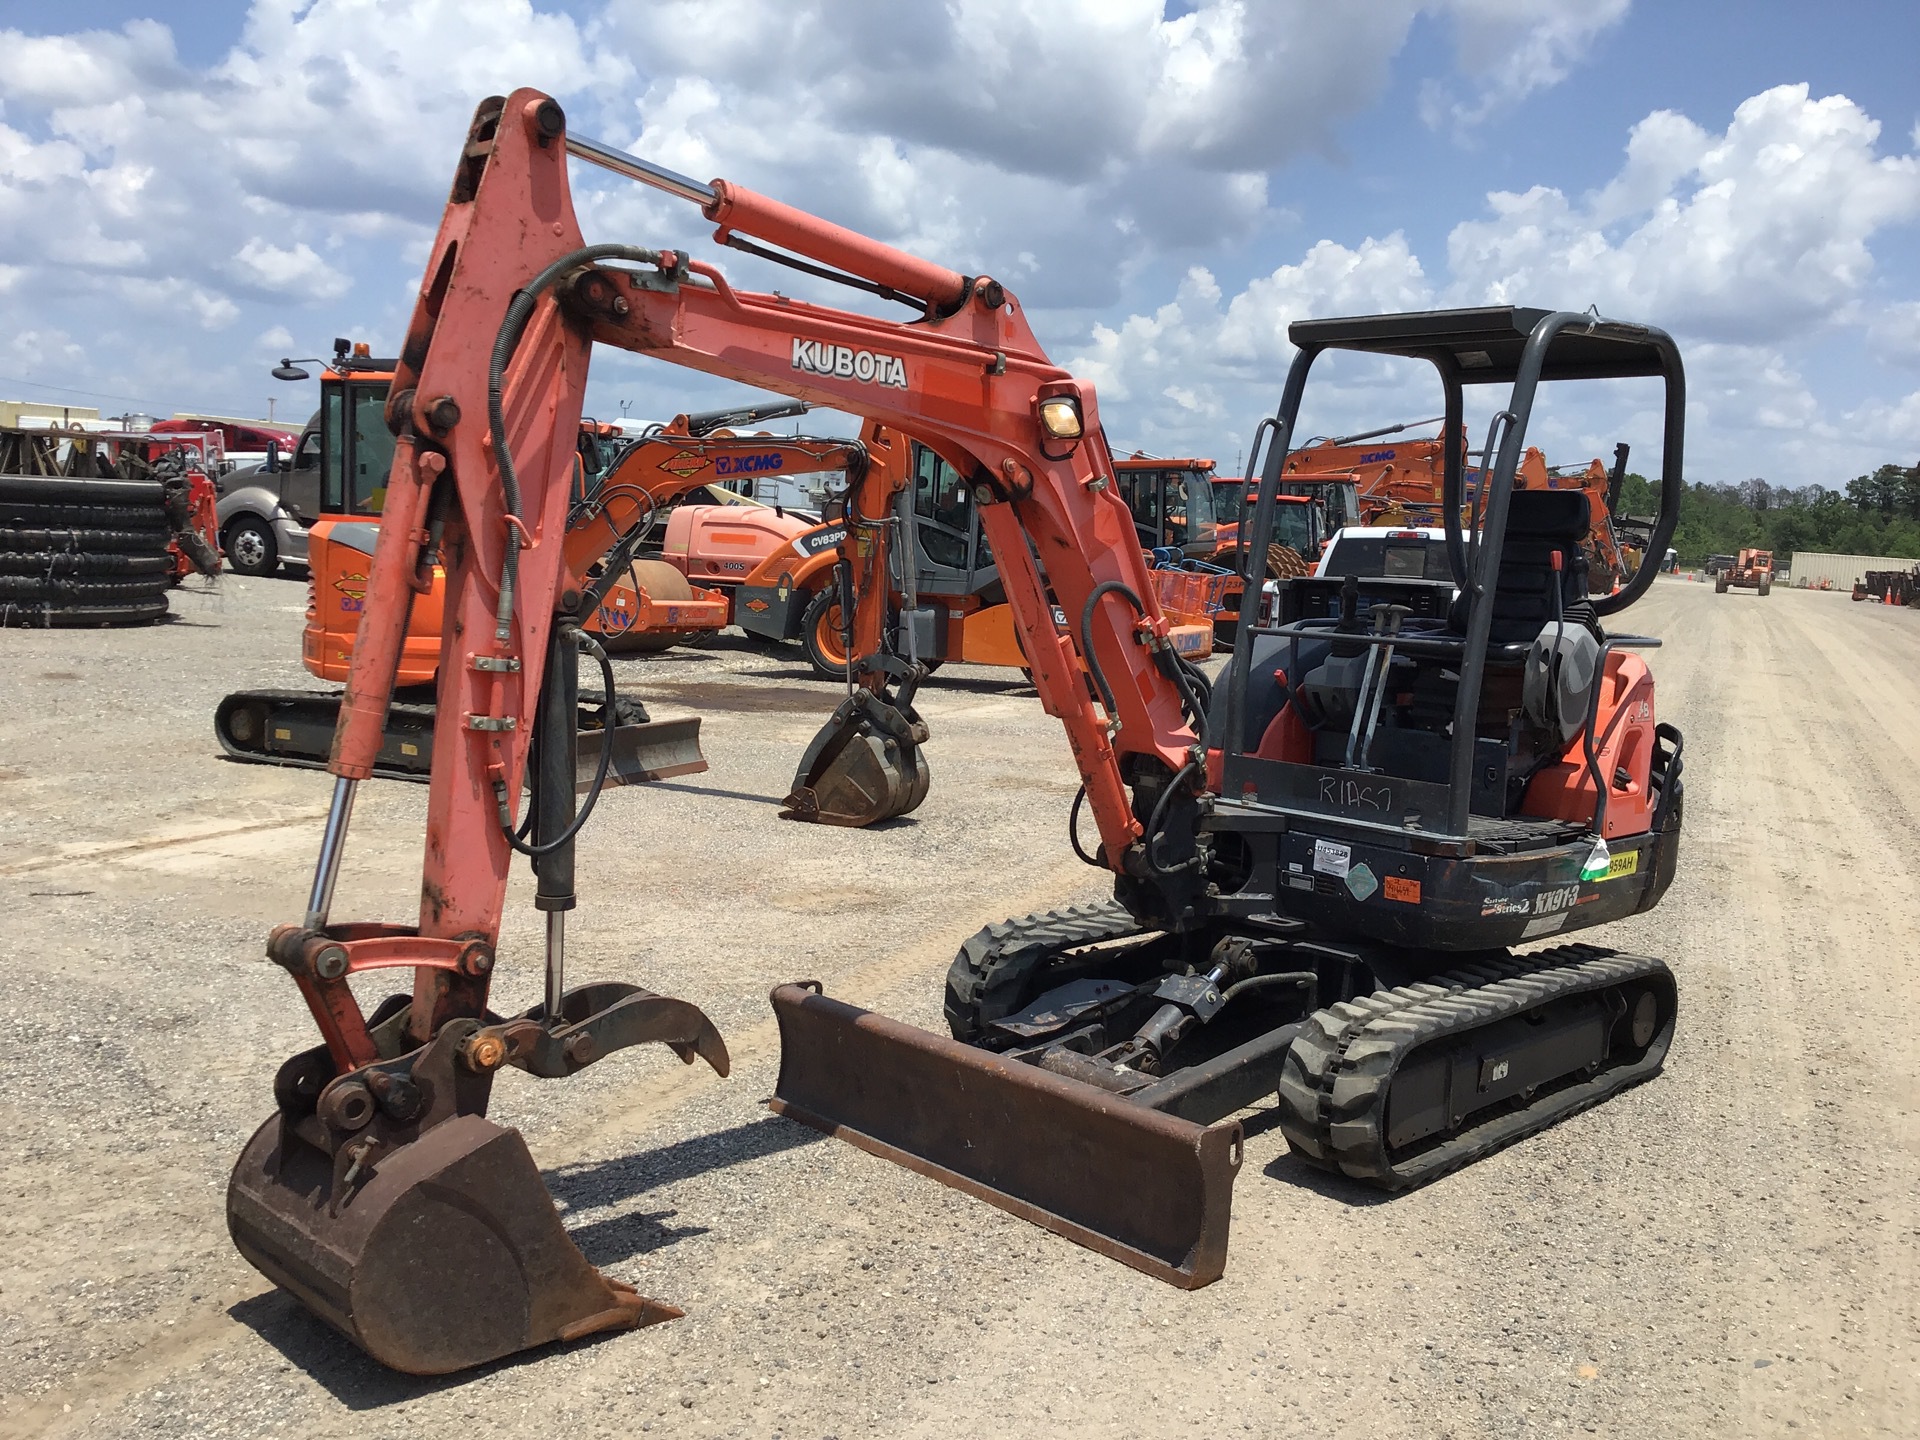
(1320, 869)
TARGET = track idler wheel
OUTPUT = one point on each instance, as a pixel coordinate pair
(865, 765)
(448, 1256)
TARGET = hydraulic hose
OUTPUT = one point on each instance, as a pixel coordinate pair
(1180, 777)
(1105, 587)
(507, 826)
(1073, 828)
(512, 327)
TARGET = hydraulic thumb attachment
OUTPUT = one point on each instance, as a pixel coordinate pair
(866, 764)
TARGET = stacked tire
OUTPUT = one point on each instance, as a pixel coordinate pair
(82, 552)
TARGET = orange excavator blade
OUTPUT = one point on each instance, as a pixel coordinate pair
(865, 765)
(1137, 1185)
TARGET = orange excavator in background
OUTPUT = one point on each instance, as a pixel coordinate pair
(668, 483)
(1191, 520)
(1400, 482)
(1318, 871)
(941, 570)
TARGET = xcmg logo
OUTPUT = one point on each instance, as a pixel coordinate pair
(1374, 455)
(819, 358)
(747, 464)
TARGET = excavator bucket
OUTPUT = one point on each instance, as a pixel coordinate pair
(1142, 1187)
(865, 765)
(386, 1203)
(448, 1256)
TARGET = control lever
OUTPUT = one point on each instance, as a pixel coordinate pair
(1386, 621)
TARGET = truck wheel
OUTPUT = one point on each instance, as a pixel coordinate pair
(820, 635)
(250, 546)
(1720, 583)
(1766, 587)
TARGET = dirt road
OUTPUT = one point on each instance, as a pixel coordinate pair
(1730, 1250)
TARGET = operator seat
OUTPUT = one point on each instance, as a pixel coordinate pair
(1539, 522)
(1548, 691)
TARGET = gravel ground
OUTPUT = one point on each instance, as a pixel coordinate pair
(1730, 1250)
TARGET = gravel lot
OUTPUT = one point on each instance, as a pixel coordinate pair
(1730, 1250)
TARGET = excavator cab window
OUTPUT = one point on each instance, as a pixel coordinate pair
(1293, 526)
(356, 448)
(943, 511)
(1194, 510)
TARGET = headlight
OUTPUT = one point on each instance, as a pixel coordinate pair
(1060, 417)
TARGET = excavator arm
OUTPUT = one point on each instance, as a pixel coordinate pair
(971, 381)
(380, 1133)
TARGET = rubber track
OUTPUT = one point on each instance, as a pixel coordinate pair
(1339, 1071)
(86, 590)
(28, 515)
(50, 563)
(81, 617)
(149, 541)
(987, 978)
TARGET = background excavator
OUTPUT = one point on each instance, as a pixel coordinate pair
(655, 516)
(940, 570)
(1401, 482)
(1315, 881)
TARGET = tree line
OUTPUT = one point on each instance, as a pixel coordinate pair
(1877, 514)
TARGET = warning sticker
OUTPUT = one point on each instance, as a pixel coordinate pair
(1332, 858)
(1398, 887)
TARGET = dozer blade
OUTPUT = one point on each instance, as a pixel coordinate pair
(1139, 1186)
(657, 750)
(449, 1255)
(865, 765)
(295, 727)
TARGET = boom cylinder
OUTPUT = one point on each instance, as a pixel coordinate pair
(382, 636)
(736, 208)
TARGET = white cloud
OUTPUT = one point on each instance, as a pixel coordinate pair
(296, 273)
(1889, 428)
(1893, 331)
(1220, 363)
(1512, 48)
(1747, 244)
(1750, 236)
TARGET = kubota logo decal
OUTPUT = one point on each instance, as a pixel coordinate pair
(869, 366)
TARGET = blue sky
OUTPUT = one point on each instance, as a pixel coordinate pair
(1164, 186)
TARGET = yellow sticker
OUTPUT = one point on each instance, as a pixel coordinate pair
(1625, 863)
